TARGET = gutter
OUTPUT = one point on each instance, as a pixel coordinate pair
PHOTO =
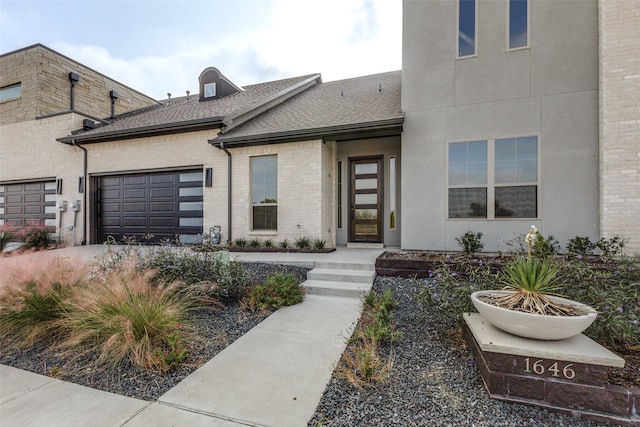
(84, 191)
(145, 131)
(222, 147)
(245, 114)
(385, 127)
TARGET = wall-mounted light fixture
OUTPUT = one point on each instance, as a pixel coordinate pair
(59, 186)
(208, 177)
(81, 184)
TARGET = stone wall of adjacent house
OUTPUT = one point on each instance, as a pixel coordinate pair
(300, 192)
(44, 78)
(620, 120)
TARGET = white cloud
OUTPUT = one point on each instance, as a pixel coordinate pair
(338, 38)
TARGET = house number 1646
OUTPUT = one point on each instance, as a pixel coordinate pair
(538, 368)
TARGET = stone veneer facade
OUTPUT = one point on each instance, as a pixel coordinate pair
(620, 120)
(44, 77)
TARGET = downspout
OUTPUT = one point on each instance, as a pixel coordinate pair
(222, 147)
(84, 191)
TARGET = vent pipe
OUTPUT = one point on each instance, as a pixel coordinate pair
(113, 95)
(73, 78)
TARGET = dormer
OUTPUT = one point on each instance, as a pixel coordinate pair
(213, 85)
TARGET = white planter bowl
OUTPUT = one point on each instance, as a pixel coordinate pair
(536, 326)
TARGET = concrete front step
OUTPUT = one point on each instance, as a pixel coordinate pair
(364, 266)
(335, 275)
(337, 289)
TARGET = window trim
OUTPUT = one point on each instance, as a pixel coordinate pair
(475, 35)
(393, 193)
(253, 205)
(508, 32)
(491, 184)
(8, 87)
(215, 90)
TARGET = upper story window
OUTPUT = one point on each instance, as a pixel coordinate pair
(518, 23)
(10, 92)
(496, 178)
(264, 192)
(210, 90)
(466, 28)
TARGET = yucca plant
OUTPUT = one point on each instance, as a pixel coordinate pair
(532, 281)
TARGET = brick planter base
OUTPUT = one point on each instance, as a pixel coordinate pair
(567, 376)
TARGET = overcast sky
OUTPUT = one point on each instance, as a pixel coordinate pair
(160, 46)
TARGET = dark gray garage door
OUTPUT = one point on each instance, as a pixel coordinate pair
(150, 207)
(28, 203)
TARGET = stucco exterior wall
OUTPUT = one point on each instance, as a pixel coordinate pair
(548, 90)
(44, 77)
(620, 120)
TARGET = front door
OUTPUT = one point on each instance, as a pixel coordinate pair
(366, 207)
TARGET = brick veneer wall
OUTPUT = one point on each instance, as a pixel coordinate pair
(302, 192)
(43, 74)
(620, 120)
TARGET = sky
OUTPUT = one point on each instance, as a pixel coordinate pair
(162, 46)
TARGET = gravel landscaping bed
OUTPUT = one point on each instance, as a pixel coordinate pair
(217, 329)
(433, 382)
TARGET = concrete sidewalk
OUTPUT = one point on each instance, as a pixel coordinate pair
(274, 375)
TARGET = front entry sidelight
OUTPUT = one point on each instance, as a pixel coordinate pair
(366, 207)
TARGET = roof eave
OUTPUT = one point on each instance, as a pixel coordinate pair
(380, 128)
(145, 131)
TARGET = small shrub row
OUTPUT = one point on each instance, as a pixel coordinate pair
(547, 246)
(361, 363)
(299, 243)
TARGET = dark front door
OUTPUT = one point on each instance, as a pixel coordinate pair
(366, 207)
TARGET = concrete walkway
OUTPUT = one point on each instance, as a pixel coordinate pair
(274, 375)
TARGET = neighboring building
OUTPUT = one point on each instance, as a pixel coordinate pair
(45, 95)
(513, 113)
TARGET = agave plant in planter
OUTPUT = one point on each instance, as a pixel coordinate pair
(529, 304)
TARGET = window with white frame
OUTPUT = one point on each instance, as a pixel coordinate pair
(264, 192)
(496, 178)
(466, 28)
(518, 24)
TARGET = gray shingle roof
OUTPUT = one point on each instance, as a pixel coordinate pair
(181, 109)
(327, 105)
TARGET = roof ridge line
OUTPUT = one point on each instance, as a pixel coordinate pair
(245, 114)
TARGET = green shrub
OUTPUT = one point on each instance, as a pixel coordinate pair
(319, 244)
(613, 247)
(279, 290)
(284, 244)
(470, 242)
(302, 243)
(580, 246)
(544, 247)
(254, 243)
(240, 242)
(210, 274)
(268, 243)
